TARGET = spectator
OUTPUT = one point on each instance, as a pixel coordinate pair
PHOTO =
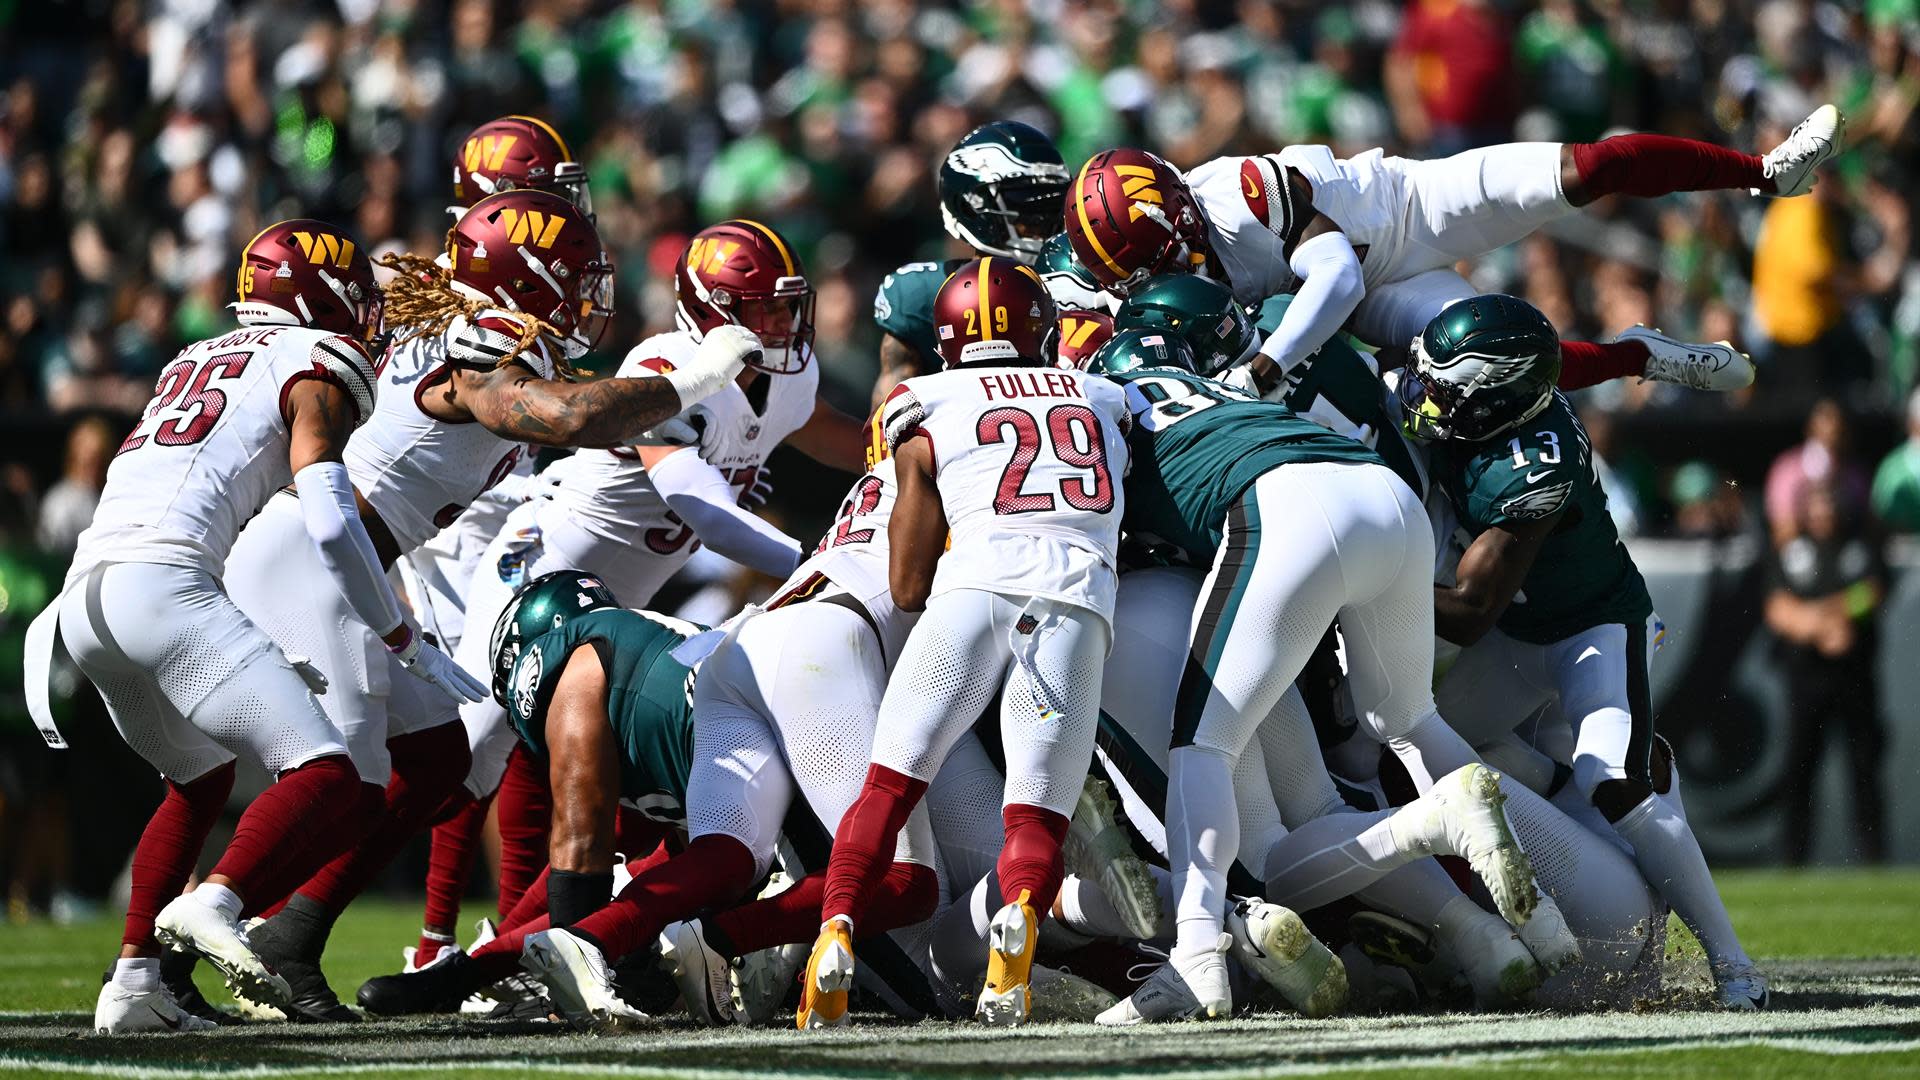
(1896, 484)
(1824, 460)
(1450, 76)
(67, 509)
(1828, 581)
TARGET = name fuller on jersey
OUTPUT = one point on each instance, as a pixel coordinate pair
(1023, 384)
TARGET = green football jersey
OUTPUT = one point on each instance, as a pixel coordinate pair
(1583, 575)
(1198, 445)
(904, 306)
(1339, 388)
(649, 699)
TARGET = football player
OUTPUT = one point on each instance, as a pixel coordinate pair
(1374, 238)
(1002, 188)
(1299, 526)
(484, 333)
(1025, 483)
(190, 682)
(1547, 601)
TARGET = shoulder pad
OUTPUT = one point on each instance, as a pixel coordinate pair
(901, 415)
(343, 361)
(481, 344)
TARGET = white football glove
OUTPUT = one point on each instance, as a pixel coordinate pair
(721, 355)
(756, 496)
(425, 661)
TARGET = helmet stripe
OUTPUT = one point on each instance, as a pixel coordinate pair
(565, 153)
(1086, 225)
(778, 244)
(980, 279)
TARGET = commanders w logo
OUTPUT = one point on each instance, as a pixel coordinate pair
(1138, 186)
(708, 255)
(325, 248)
(487, 151)
(1074, 330)
(533, 226)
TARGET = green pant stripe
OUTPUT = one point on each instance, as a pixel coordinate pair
(1228, 584)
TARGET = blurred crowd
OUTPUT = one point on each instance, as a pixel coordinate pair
(142, 142)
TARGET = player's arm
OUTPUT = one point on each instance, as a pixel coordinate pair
(584, 772)
(917, 531)
(899, 361)
(1489, 575)
(1331, 287)
(514, 403)
(700, 495)
(832, 438)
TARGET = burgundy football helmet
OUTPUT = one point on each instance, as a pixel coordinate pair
(743, 272)
(1131, 216)
(514, 153)
(994, 310)
(1082, 332)
(308, 273)
(534, 251)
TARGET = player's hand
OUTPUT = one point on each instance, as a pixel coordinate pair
(312, 676)
(427, 663)
(760, 491)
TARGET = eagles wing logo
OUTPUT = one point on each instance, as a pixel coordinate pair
(992, 162)
(1538, 502)
(526, 680)
(1492, 370)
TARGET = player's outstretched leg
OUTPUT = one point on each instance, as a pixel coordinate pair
(1648, 166)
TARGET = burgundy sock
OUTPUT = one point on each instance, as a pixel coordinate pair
(526, 813)
(366, 809)
(168, 848)
(792, 916)
(531, 905)
(714, 870)
(1590, 363)
(1031, 861)
(863, 845)
(456, 843)
(306, 803)
(1652, 165)
(427, 767)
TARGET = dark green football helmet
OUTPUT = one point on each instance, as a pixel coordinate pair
(1137, 350)
(1071, 284)
(543, 604)
(1003, 190)
(1480, 367)
(1201, 312)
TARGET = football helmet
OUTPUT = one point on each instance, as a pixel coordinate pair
(1131, 216)
(534, 251)
(1198, 310)
(994, 311)
(514, 153)
(543, 604)
(1135, 350)
(308, 273)
(743, 272)
(1002, 188)
(1482, 366)
(1070, 284)
(1081, 332)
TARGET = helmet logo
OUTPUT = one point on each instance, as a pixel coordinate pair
(526, 680)
(324, 248)
(709, 255)
(1074, 331)
(992, 161)
(1139, 186)
(534, 226)
(1493, 370)
(488, 151)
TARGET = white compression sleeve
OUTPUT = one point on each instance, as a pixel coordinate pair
(1330, 288)
(703, 499)
(333, 521)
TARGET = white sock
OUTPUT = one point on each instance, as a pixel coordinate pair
(219, 898)
(1670, 857)
(1330, 857)
(1084, 909)
(1203, 837)
(958, 947)
(138, 974)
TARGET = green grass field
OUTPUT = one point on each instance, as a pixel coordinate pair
(1844, 949)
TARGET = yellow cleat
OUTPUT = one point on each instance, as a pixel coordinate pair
(828, 977)
(1012, 936)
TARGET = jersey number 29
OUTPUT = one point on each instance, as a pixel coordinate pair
(1073, 435)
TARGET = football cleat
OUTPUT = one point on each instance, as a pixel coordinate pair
(188, 925)
(1495, 962)
(1013, 936)
(1060, 995)
(827, 978)
(1713, 365)
(1464, 813)
(1200, 991)
(700, 972)
(176, 974)
(1271, 942)
(439, 987)
(577, 980)
(761, 980)
(1742, 988)
(120, 1011)
(1548, 938)
(1098, 849)
(1791, 164)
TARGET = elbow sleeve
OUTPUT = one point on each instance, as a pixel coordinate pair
(701, 496)
(333, 522)
(1331, 287)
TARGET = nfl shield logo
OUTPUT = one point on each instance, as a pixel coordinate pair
(753, 432)
(1026, 624)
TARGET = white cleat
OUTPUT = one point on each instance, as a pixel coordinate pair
(1465, 814)
(1013, 935)
(1199, 992)
(1714, 365)
(1271, 942)
(699, 971)
(760, 981)
(1791, 164)
(577, 980)
(1742, 989)
(1098, 849)
(120, 1011)
(1496, 963)
(191, 926)
(1063, 996)
(1548, 938)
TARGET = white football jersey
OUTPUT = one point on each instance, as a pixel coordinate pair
(1029, 463)
(608, 493)
(419, 473)
(853, 556)
(212, 445)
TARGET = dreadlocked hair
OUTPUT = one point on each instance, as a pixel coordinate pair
(421, 296)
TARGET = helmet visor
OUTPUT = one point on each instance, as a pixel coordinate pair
(1424, 415)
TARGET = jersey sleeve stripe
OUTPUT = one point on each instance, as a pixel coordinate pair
(902, 415)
